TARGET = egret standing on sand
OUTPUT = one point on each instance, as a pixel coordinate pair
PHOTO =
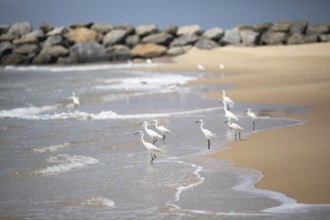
(154, 135)
(207, 133)
(75, 100)
(235, 127)
(228, 101)
(162, 129)
(229, 115)
(200, 67)
(221, 66)
(253, 117)
(150, 147)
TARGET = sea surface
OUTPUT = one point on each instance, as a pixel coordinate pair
(59, 161)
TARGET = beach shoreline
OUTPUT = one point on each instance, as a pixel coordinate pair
(294, 160)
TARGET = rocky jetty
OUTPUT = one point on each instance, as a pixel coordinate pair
(98, 42)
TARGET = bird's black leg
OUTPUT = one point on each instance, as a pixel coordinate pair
(235, 135)
(208, 144)
(239, 135)
(163, 139)
(253, 125)
(154, 155)
(154, 140)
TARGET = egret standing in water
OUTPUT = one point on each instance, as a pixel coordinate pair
(229, 114)
(235, 127)
(154, 135)
(75, 100)
(162, 129)
(253, 117)
(207, 133)
(150, 147)
(200, 67)
(228, 101)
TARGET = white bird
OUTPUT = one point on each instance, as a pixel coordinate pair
(229, 114)
(253, 117)
(154, 135)
(200, 67)
(221, 66)
(228, 101)
(150, 147)
(149, 61)
(207, 133)
(162, 129)
(235, 127)
(75, 100)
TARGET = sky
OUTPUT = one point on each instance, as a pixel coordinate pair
(205, 13)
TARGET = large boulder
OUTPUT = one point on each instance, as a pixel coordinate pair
(25, 40)
(53, 40)
(19, 29)
(325, 37)
(50, 55)
(188, 29)
(318, 29)
(82, 34)
(206, 44)
(89, 51)
(311, 38)
(214, 33)
(148, 50)
(119, 52)
(38, 34)
(183, 40)
(281, 26)
(102, 28)
(27, 49)
(132, 40)
(298, 27)
(249, 37)
(7, 37)
(273, 38)
(5, 48)
(171, 29)
(82, 25)
(162, 38)
(231, 37)
(4, 28)
(45, 27)
(174, 51)
(14, 59)
(144, 30)
(263, 27)
(115, 36)
(295, 38)
(57, 31)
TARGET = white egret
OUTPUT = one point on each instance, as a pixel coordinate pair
(221, 66)
(150, 147)
(200, 67)
(229, 114)
(235, 127)
(207, 133)
(162, 129)
(154, 135)
(149, 61)
(75, 100)
(228, 101)
(253, 117)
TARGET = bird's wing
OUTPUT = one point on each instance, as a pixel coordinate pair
(153, 148)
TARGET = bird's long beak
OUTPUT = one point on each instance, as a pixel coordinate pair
(137, 133)
(197, 122)
(225, 121)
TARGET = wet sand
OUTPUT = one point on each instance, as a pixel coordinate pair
(294, 160)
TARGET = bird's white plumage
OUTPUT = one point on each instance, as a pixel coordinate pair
(221, 66)
(150, 132)
(150, 147)
(207, 133)
(200, 67)
(229, 115)
(75, 99)
(234, 126)
(161, 128)
(251, 114)
(227, 100)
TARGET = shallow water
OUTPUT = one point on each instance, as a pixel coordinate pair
(61, 162)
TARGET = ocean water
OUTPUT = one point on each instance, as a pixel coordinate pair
(58, 161)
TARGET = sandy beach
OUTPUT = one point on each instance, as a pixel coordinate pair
(293, 160)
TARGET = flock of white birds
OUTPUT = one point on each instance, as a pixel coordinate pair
(227, 104)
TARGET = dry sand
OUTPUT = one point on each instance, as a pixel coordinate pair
(294, 160)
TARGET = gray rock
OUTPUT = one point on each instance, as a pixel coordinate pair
(296, 38)
(89, 51)
(250, 37)
(206, 44)
(57, 31)
(53, 40)
(273, 38)
(25, 40)
(144, 30)
(27, 49)
(325, 37)
(127, 27)
(174, 51)
(189, 29)
(71, 59)
(132, 40)
(148, 50)
(172, 29)
(318, 29)
(263, 27)
(118, 52)
(4, 28)
(183, 40)
(231, 37)
(102, 28)
(298, 27)
(115, 36)
(162, 38)
(45, 27)
(19, 29)
(214, 33)
(14, 59)
(85, 25)
(7, 37)
(310, 38)
(50, 55)
(5, 48)
(281, 26)
(38, 34)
